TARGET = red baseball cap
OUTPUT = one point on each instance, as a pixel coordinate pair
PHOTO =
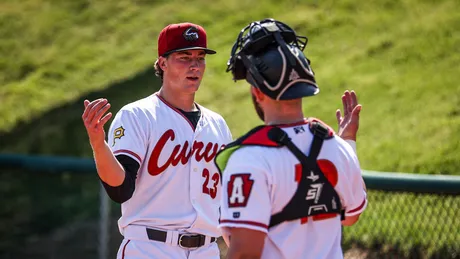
(182, 36)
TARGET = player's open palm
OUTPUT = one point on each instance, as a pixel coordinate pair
(349, 120)
(94, 119)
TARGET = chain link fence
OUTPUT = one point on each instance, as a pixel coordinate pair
(407, 225)
(56, 215)
(62, 213)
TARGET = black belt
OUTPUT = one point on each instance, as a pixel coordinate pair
(184, 240)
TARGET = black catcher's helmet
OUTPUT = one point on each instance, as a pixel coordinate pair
(268, 54)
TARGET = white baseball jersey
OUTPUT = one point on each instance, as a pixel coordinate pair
(177, 185)
(259, 181)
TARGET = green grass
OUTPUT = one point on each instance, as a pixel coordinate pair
(400, 56)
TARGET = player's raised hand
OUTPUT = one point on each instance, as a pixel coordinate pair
(94, 119)
(348, 121)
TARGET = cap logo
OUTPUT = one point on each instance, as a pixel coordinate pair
(293, 75)
(191, 34)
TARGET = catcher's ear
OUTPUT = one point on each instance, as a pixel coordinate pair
(257, 93)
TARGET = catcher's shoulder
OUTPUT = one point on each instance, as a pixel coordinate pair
(256, 137)
(318, 126)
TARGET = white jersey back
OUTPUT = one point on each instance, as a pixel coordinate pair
(259, 181)
(178, 184)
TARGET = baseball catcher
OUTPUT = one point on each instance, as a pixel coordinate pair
(290, 184)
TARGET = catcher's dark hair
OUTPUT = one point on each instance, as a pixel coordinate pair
(158, 71)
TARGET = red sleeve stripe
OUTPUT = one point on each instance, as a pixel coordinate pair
(128, 152)
(357, 209)
(244, 222)
(124, 250)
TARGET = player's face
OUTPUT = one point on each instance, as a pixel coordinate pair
(184, 70)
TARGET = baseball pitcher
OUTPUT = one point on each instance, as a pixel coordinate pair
(158, 159)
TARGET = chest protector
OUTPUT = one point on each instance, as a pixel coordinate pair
(315, 195)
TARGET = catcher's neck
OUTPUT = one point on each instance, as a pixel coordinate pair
(283, 112)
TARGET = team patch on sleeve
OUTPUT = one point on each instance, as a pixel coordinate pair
(239, 190)
(118, 133)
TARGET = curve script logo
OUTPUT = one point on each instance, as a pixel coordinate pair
(191, 34)
(169, 153)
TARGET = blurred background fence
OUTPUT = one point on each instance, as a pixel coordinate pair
(408, 216)
(55, 207)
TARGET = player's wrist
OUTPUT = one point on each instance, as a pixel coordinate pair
(98, 145)
(348, 137)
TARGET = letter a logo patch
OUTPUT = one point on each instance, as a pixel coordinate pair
(239, 190)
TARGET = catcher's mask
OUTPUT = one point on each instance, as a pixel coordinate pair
(268, 54)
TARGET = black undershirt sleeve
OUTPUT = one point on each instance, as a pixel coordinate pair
(125, 191)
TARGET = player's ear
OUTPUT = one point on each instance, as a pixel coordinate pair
(257, 93)
(162, 63)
